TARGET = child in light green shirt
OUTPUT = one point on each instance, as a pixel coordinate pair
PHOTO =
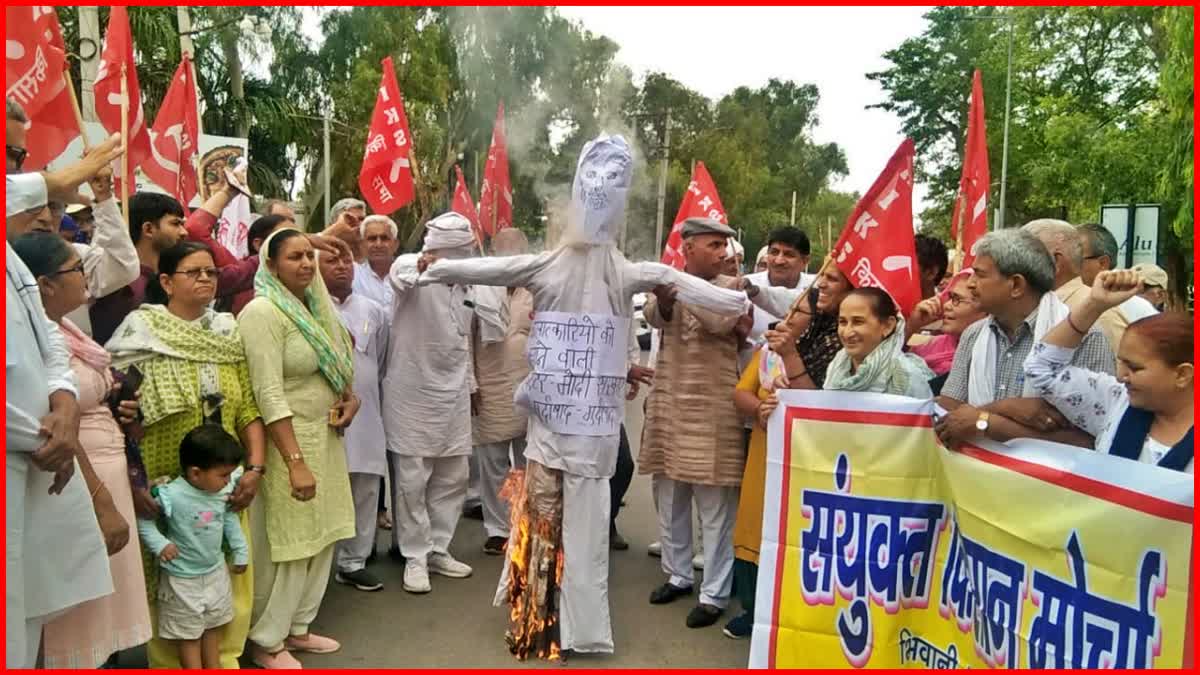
(195, 599)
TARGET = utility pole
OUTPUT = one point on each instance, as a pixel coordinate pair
(89, 31)
(662, 182)
(328, 167)
(1007, 109)
(793, 207)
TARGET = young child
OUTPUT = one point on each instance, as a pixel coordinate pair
(194, 596)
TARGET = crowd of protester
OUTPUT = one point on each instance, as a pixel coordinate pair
(200, 440)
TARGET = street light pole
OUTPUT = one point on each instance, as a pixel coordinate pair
(662, 183)
(325, 149)
(1007, 110)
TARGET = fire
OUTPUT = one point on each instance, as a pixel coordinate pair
(535, 566)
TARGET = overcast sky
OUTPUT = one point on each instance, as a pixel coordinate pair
(715, 49)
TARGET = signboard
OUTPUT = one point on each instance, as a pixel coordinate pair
(215, 153)
(1135, 224)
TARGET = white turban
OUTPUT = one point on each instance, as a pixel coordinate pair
(448, 231)
(734, 249)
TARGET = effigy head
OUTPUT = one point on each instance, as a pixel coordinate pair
(600, 191)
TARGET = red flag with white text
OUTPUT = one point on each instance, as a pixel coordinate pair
(971, 206)
(699, 201)
(34, 78)
(116, 62)
(878, 247)
(463, 205)
(496, 193)
(495, 196)
(386, 179)
(174, 138)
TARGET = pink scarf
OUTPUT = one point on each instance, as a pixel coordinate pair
(85, 348)
(938, 353)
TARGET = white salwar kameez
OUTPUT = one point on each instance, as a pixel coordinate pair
(55, 553)
(366, 448)
(588, 276)
(427, 410)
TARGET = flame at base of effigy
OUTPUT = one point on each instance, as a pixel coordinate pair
(535, 561)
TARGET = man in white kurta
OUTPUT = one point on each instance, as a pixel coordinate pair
(585, 280)
(500, 366)
(427, 409)
(366, 449)
(55, 555)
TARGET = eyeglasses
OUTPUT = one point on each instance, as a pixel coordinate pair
(956, 300)
(1095, 257)
(15, 155)
(207, 272)
(77, 268)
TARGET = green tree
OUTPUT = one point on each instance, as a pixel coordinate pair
(1177, 181)
(1086, 124)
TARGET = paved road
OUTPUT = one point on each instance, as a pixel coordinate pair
(456, 625)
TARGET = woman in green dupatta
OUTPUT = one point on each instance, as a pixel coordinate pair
(194, 370)
(301, 369)
(872, 357)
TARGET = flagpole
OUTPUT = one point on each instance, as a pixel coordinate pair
(78, 112)
(124, 143)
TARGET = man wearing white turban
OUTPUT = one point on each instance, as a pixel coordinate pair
(582, 299)
(427, 409)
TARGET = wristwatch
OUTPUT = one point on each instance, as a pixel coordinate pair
(982, 423)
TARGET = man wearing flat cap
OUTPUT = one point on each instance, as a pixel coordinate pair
(1156, 283)
(692, 446)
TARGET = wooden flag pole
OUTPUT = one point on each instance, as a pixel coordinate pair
(124, 144)
(87, 145)
(957, 264)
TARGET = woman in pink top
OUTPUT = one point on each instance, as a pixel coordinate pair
(958, 308)
(87, 635)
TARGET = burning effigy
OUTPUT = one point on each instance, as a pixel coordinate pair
(555, 578)
(534, 560)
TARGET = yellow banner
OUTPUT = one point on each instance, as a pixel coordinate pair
(883, 549)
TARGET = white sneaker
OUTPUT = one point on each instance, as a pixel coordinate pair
(698, 561)
(416, 577)
(655, 549)
(445, 565)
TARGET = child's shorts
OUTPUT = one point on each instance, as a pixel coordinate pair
(188, 606)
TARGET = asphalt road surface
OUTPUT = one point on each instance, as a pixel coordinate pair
(456, 625)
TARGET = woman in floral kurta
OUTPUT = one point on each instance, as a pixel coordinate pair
(194, 370)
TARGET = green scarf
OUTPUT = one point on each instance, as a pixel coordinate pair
(315, 318)
(178, 358)
(886, 370)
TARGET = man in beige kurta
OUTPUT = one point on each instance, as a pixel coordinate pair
(692, 445)
(500, 366)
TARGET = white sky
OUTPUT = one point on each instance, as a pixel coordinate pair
(716, 49)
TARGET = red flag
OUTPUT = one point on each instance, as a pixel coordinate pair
(878, 247)
(385, 178)
(34, 78)
(116, 62)
(495, 196)
(174, 138)
(463, 205)
(700, 201)
(973, 186)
